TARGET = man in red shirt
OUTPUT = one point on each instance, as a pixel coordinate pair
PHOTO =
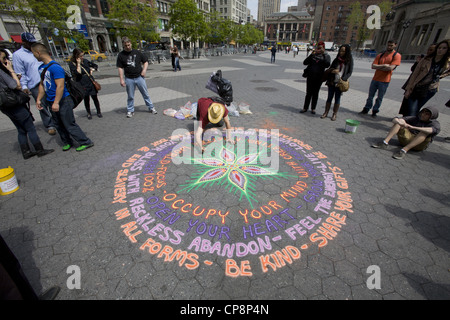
(384, 64)
(210, 111)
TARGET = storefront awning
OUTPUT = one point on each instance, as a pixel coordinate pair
(17, 39)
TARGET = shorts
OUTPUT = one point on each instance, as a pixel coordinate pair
(405, 136)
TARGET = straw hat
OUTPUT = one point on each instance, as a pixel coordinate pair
(215, 112)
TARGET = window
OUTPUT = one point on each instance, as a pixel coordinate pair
(13, 28)
(436, 38)
(427, 37)
(92, 4)
(414, 37)
(422, 35)
(104, 7)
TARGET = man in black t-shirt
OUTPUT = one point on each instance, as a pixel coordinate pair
(132, 66)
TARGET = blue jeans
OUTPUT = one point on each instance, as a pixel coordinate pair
(415, 104)
(65, 123)
(374, 86)
(334, 91)
(177, 64)
(45, 114)
(22, 119)
(131, 84)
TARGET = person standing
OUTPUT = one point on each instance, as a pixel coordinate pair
(317, 62)
(20, 115)
(132, 65)
(341, 68)
(53, 86)
(295, 50)
(27, 66)
(424, 81)
(81, 70)
(176, 56)
(274, 51)
(384, 65)
(405, 105)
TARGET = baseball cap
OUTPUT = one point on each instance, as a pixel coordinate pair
(28, 37)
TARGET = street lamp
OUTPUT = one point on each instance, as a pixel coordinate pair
(404, 27)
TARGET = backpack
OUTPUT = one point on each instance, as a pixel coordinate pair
(74, 88)
(395, 53)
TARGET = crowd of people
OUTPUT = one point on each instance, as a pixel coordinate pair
(33, 71)
(418, 126)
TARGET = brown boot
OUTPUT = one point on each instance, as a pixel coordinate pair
(335, 110)
(327, 109)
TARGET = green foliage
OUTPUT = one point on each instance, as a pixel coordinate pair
(48, 15)
(224, 30)
(187, 21)
(134, 19)
(358, 18)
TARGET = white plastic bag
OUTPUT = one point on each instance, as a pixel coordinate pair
(170, 112)
(194, 110)
(179, 115)
(232, 110)
(186, 110)
(244, 108)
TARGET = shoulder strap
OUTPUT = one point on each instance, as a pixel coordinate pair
(45, 70)
(395, 53)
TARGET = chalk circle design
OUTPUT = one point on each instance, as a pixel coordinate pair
(231, 208)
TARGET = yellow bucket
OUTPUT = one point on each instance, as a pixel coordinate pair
(8, 181)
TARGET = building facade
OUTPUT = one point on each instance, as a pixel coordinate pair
(285, 28)
(267, 8)
(334, 26)
(234, 10)
(415, 25)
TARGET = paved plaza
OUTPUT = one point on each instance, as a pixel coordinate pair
(313, 213)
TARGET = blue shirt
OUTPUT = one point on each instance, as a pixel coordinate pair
(27, 65)
(55, 71)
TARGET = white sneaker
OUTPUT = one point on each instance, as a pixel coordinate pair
(130, 114)
(153, 110)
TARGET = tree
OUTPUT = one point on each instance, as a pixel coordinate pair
(134, 19)
(357, 19)
(49, 16)
(186, 21)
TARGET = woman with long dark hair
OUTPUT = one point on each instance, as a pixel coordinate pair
(20, 115)
(424, 81)
(81, 70)
(341, 68)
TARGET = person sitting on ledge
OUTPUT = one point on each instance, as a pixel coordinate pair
(414, 132)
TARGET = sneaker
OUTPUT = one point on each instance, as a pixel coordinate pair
(364, 111)
(153, 110)
(84, 147)
(130, 114)
(374, 115)
(380, 145)
(399, 155)
(66, 147)
(52, 131)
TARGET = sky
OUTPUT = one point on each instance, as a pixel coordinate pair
(253, 6)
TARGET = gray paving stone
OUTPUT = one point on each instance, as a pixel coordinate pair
(63, 213)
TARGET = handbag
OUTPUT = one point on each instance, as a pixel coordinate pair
(420, 91)
(342, 85)
(97, 85)
(326, 74)
(11, 98)
(305, 73)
